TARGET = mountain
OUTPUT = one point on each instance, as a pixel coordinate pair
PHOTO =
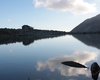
(88, 26)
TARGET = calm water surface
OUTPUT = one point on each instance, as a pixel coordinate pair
(42, 59)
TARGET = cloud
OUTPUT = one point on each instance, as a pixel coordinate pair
(10, 50)
(74, 6)
(55, 63)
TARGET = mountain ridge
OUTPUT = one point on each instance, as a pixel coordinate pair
(89, 25)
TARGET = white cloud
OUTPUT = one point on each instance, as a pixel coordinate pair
(38, 3)
(74, 6)
(55, 63)
(10, 51)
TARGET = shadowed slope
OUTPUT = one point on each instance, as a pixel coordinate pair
(88, 26)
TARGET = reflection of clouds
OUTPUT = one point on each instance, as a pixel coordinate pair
(10, 50)
(55, 63)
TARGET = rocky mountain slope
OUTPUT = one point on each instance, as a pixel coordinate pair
(88, 26)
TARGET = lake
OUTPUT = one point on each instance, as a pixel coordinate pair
(41, 60)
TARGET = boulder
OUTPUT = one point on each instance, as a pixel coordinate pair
(26, 28)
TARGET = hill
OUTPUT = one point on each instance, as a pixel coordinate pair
(91, 25)
(26, 35)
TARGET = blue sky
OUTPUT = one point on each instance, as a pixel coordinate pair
(46, 14)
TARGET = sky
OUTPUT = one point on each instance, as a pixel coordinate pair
(63, 15)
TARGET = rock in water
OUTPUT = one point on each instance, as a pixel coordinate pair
(95, 69)
(73, 64)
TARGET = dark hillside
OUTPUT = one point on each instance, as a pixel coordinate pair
(91, 25)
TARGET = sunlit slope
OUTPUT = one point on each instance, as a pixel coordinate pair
(89, 25)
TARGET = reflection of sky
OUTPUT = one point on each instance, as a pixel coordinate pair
(19, 62)
(55, 63)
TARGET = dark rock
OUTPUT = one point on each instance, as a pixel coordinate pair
(95, 70)
(26, 28)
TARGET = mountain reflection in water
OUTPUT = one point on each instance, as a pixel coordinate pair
(26, 40)
(89, 39)
(55, 63)
(42, 60)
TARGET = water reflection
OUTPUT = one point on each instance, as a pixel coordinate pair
(55, 63)
(89, 39)
(26, 40)
(95, 69)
